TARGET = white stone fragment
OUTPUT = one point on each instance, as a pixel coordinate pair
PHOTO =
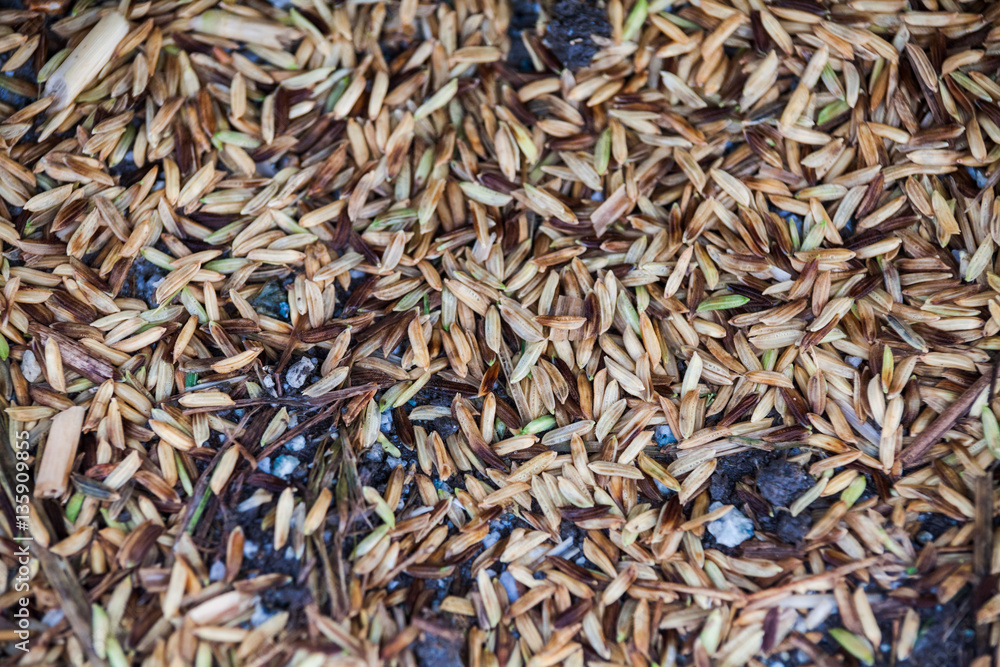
(296, 444)
(733, 529)
(53, 617)
(285, 465)
(509, 584)
(299, 372)
(217, 571)
(664, 436)
(259, 616)
(29, 367)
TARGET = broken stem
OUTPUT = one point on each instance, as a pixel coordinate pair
(87, 60)
(930, 435)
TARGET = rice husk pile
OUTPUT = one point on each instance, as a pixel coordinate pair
(334, 339)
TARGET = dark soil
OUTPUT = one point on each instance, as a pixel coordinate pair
(791, 529)
(732, 469)
(947, 637)
(261, 558)
(292, 596)
(947, 642)
(782, 481)
(374, 470)
(142, 280)
(935, 525)
(569, 32)
(271, 300)
(434, 651)
(778, 481)
(524, 16)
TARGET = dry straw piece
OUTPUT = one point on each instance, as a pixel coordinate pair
(59, 454)
(399, 333)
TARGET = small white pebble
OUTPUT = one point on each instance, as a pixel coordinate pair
(285, 465)
(509, 584)
(250, 549)
(374, 453)
(53, 617)
(296, 444)
(733, 529)
(259, 616)
(393, 462)
(491, 539)
(264, 465)
(217, 571)
(299, 372)
(386, 424)
(664, 436)
(29, 367)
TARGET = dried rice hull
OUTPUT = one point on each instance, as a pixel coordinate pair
(684, 356)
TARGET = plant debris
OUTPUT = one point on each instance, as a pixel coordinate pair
(475, 333)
